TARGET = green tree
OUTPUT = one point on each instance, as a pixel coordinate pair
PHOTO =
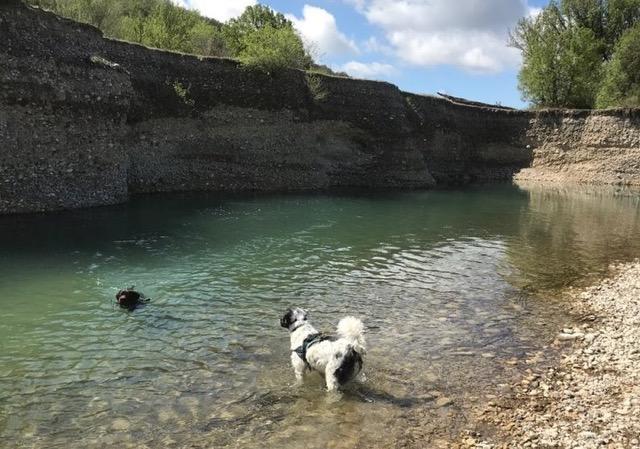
(561, 63)
(621, 85)
(568, 48)
(590, 14)
(261, 37)
(271, 48)
(170, 27)
(131, 26)
(157, 23)
(621, 16)
(608, 19)
(254, 18)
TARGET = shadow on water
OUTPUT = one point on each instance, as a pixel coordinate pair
(451, 285)
(158, 216)
(371, 395)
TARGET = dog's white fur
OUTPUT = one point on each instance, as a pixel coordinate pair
(325, 356)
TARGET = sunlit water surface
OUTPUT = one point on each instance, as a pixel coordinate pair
(455, 288)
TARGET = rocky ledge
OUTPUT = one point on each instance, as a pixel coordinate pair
(591, 399)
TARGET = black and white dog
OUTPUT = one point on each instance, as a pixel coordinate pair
(339, 358)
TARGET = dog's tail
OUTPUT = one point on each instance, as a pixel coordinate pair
(352, 329)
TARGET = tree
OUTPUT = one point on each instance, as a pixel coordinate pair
(590, 14)
(621, 85)
(271, 48)
(574, 49)
(561, 63)
(621, 16)
(170, 27)
(257, 28)
(132, 23)
(259, 37)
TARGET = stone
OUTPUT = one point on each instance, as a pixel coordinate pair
(443, 401)
(120, 424)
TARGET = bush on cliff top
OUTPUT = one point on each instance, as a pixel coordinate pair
(265, 40)
(155, 23)
(270, 49)
(260, 37)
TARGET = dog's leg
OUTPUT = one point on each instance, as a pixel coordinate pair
(299, 376)
(298, 368)
(361, 377)
(332, 382)
(330, 377)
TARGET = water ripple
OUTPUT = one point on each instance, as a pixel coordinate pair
(448, 291)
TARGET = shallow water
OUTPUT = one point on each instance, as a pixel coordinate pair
(454, 288)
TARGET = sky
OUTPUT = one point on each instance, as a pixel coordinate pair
(423, 46)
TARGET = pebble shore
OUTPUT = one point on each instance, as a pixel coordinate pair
(591, 398)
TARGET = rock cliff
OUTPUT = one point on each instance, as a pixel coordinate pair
(86, 120)
(592, 147)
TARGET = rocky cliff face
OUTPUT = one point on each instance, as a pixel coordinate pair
(594, 147)
(87, 121)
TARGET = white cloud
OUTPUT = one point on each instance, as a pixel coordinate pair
(181, 3)
(534, 12)
(320, 32)
(475, 51)
(221, 10)
(471, 34)
(358, 4)
(441, 15)
(371, 70)
(373, 45)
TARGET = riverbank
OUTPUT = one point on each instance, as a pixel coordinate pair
(592, 397)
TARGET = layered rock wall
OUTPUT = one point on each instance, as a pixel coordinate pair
(88, 121)
(593, 147)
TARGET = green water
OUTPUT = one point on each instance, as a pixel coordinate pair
(451, 285)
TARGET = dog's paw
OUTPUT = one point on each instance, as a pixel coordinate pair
(333, 396)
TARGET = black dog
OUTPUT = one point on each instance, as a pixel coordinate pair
(130, 299)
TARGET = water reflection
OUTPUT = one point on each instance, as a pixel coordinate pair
(569, 234)
(451, 285)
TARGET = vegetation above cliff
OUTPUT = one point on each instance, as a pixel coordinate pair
(581, 54)
(259, 37)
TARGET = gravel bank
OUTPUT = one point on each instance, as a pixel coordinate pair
(591, 399)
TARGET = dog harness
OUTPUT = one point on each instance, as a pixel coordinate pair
(311, 340)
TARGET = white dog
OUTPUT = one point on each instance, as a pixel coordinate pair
(338, 359)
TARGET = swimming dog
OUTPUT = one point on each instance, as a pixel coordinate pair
(130, 299)
(338, 358)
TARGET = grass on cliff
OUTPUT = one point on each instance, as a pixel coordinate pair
(316, 86)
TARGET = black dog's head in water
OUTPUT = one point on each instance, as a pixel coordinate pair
(130, 299)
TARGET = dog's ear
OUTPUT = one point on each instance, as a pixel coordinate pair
(134, 295)
(285, 321)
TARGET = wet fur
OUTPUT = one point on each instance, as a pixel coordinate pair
(130, 299)
(339, 360)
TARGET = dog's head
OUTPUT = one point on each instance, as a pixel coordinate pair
(128, 298)
(293, 316)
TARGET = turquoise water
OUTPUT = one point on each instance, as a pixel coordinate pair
(457, 289)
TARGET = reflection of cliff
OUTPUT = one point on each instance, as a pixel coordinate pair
(569, 232)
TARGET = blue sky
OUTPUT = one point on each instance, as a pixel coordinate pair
(423, 46)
